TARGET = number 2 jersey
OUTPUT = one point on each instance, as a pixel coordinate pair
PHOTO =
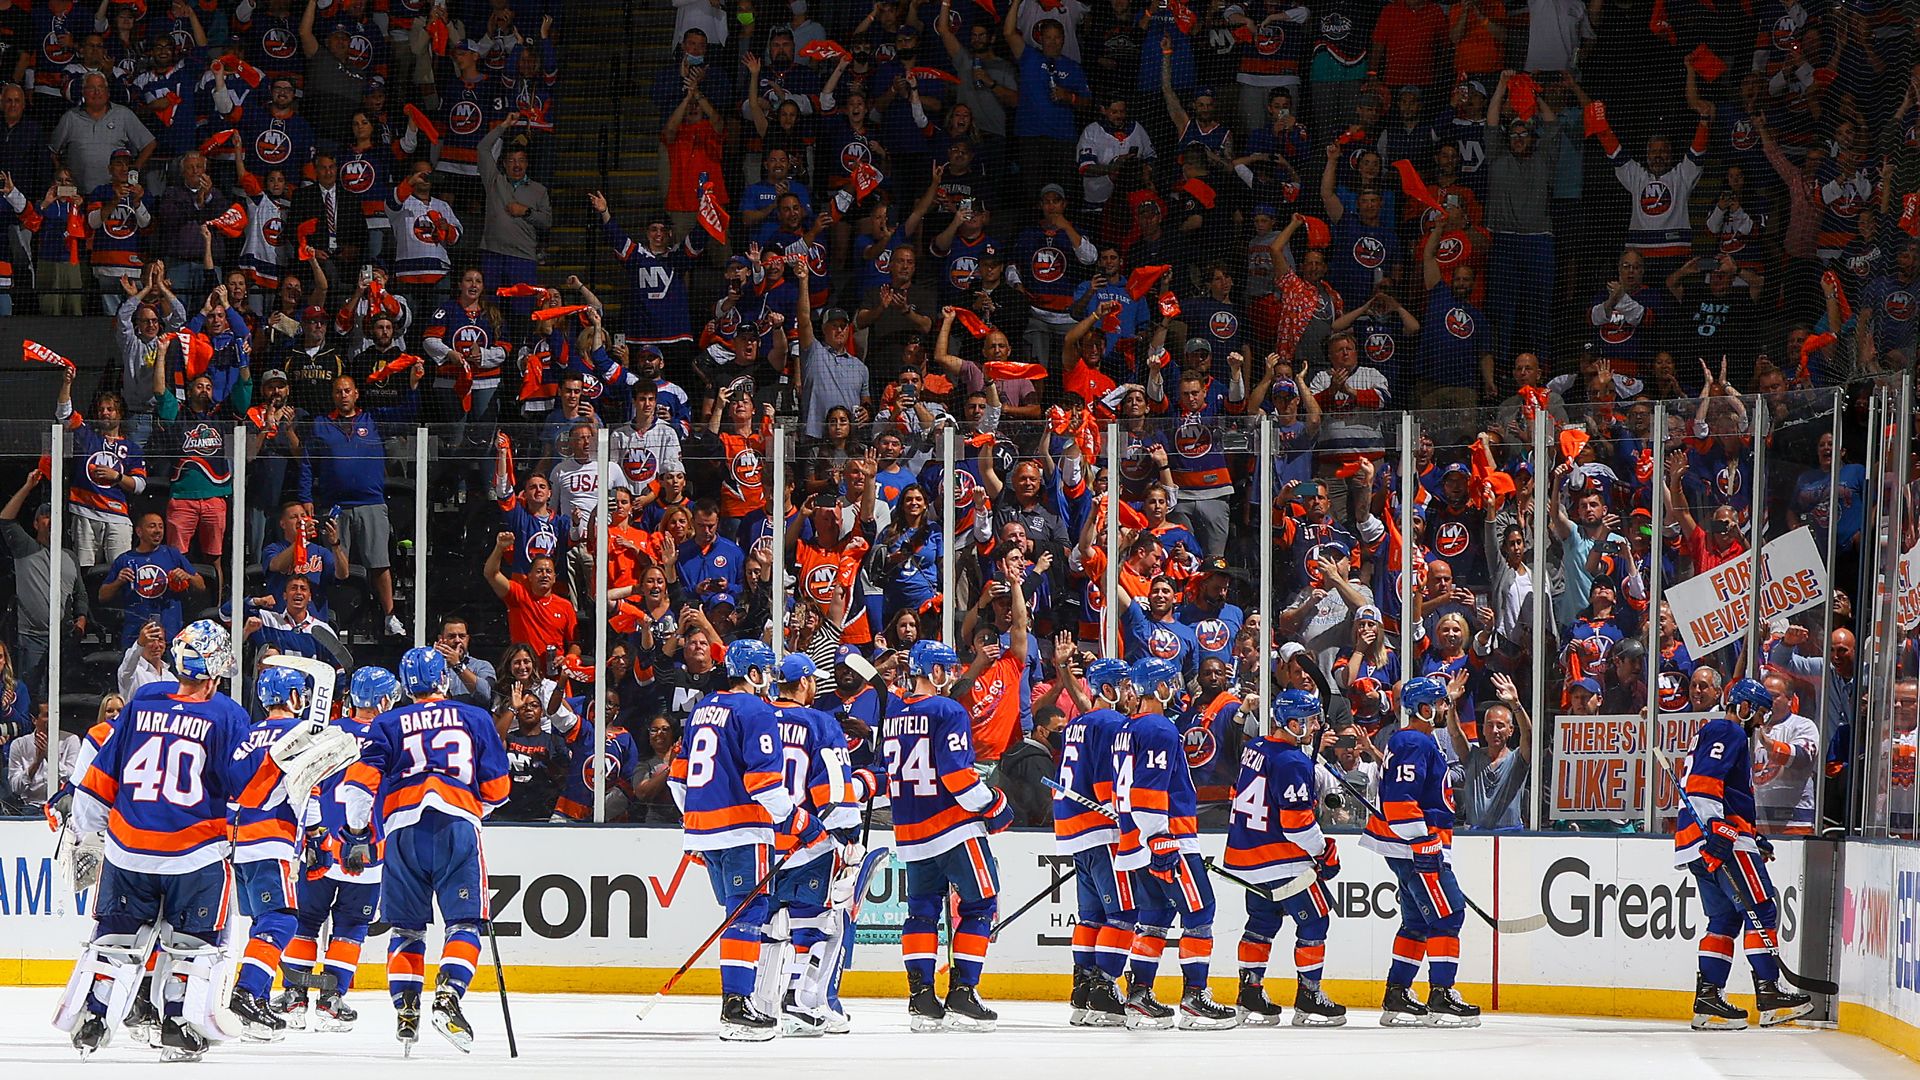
(1720, 782)
(1273, 835)
(926, 750)
(1154, 788)
(726, 775)
(1086, 769)
(431, 755)
(161, 783)
(1416, 797)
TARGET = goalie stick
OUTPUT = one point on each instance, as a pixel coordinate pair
(870, 675)
(1747, 904)
(1285, 889)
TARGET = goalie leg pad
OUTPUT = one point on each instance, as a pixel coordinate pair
(106, 979)
(196, 980)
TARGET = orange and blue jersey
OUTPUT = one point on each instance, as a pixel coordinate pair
(1273, 834)
(1415, 796)
(813, 766)
(1153, 789)
(432, 754)
(1195, 454)
(1213, 633)
(368, 176)
(1143, 636)
(116, 238)
(466, 115)
(279, 142)
(1209, 731)
(926, 761)
(1719, 781)
(996, 702)
(161, 783)
(619, 757)
(329, 808)
(864, 705)
(726, 775)
(264, 828)
(1086, 769)
(92, 452)
(1048, 268)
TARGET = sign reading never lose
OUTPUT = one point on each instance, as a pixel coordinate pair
(1712, 608)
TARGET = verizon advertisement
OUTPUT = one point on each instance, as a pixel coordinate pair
(622, 904)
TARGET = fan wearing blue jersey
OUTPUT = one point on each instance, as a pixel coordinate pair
(942, 813)
(1715, 840)
(1416, 837)
(332, 897)
(814, 769)
(1103, 930)
(266, 842)
(727, 779)
(437, 767)
(159, 787)
(1159, 843)
(1273, 838)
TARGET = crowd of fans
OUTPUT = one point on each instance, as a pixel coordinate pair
(1039, 225)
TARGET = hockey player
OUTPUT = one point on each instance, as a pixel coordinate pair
(726, 777)
(814, 768)
(942, 813)
(266, 843)
(1275, 838)
(328, 890)
(438, 767)
(159, 787)
(1416, 836)
(1153, 789)
(1103, 931)
(1714, 838)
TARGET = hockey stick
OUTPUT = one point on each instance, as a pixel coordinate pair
(320, 700)
(1297, 885)
(500, 978)
(329, 639)
(759, 887)
(1739, 891)
(871, 676)
(1525, 925)
(1031, 904)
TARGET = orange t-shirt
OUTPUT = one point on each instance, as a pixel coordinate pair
(994, 703)
(539, 623)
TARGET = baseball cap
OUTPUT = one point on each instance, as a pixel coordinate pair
(313, 311)
(1266, 210)
(1333, 549)
(1367, 613)
(1288, 387)
(841, 654)
(274, 376)
(1214, 564)
(1053, 189)
(1589, 685)
(834, 313)
(1197, 344)
(739, 262)
(120, 152)
(720, 598)
(1454, 469)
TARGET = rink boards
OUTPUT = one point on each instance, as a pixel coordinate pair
(1878, 943)
(616, 909)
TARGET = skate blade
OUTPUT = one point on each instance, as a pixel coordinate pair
(174, 1053)
(1704, 1022)
(795, 1027)
(1776, 1017)
(972, 1026)
(1191, 1022)
(406, 1047)
(256, 1033)
(1097, 1019)
(1398, 1019)
(922, 1024)
(461, 1039)
(330, 1024)
(1440, 1020)
(1301, 1019)
(1079, 1018)
(1249, 1018)
(1137, 1022)
(742, 1033)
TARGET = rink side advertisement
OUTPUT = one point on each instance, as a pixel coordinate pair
(616, 909)
(1879, 944)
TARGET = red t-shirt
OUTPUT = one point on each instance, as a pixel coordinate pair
(1411, 40)
(539, 623)
(1703, 555)
(697, 150)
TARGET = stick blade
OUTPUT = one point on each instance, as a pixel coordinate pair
(860, 666)
(1809, 984)
(1521, 926)
(649, 1005)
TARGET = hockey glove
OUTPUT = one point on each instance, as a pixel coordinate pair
(1717, 846)
(1327, 865)
(805, 827)
(1429, 858)
(999, 814)
(865, 785)
(1765, 845)
(1165, 862)
(356, 850)
(314, 854)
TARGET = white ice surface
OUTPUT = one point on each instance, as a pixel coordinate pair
(589, 1036)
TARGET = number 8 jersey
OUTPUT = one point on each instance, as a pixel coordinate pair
(726, 776)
